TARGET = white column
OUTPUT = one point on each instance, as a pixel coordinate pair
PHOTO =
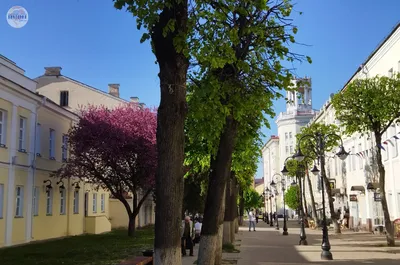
(11, 178)
(30, 180)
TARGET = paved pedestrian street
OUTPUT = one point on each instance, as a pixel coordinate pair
(267, 246)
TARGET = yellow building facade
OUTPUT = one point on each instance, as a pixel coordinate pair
(33, 143)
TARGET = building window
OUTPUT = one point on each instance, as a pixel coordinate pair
(64, 148)
(394, 141)
(291, 149)
(49, 202)
(286, 136)
(390, 73)
(1, 200)
(35, 203)
(52, 144)
(102, 203)
(76, 202)
(64, 98)
(287, 149)
(94, 203)
(62, 201)
(3, 127)
(19, 201)
(290, 135)
(38, 144)
(22, 134)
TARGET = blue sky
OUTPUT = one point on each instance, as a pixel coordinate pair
(98, 45)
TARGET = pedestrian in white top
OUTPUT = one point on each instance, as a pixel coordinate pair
(252, 220)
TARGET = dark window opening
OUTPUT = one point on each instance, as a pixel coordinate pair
(64, 98)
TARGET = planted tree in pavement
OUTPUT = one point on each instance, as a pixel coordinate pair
(115, 150)
(166, 24)
(308, 147)
(372, 105)
(240, 51)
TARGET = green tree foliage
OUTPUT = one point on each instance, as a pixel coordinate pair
(308, 148)
(194, 196)
(252, 200)
(292, 198)
(371, 105)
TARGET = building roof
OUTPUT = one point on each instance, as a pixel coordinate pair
(258, 182)
(87, 86)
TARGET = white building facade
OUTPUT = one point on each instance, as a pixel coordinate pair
(298, 114)
(356, 178)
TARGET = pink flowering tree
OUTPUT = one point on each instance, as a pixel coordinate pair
(115, 150)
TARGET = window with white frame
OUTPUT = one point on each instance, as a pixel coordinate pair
(290, 135)
(361, 159)
(394, 148)
(3, 127)
(64, 148)
(94, 203)
(22, 134)
(52, 143)
(287, 149)
(38, 144)
(1, 200)
(35, 203)
(286, 136)
(49, 202)
(291, 149)
(19, 201)
(62, 201)
(76, 201)
(103, 203)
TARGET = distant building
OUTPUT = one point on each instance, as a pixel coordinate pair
(298, 114)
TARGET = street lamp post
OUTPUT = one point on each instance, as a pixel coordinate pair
(269, 194)
(282, 181)
(318, 148)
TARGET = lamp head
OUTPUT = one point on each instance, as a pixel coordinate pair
(315, 170)
(342, 154)
(299, 155)
(284, 171)
(273, 184)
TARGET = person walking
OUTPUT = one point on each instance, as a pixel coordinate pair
(252, 220)
(187, 236)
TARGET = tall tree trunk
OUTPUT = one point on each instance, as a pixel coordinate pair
(134, 211)
(313, 207)
(170, 132)
(233, 207)
(214, 211)
(132, 225)
(241, 207)
(334, 214)
(304, 195)
(381, 169)
(227, 217)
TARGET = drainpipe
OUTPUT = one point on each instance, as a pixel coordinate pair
(34, 159)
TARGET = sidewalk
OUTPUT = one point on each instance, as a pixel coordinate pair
(268, 246)
(229, 258)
